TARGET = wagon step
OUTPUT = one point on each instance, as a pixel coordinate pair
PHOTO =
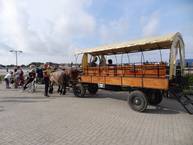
(184, 100)
(187, 103)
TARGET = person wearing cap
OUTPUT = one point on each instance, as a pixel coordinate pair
(7, 79)
(46, 75)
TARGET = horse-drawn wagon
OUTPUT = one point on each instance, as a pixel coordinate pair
(146, 82)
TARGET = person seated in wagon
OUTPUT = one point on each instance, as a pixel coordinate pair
(93, 62)
(110, 62)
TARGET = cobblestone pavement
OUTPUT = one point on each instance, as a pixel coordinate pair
(103, 119)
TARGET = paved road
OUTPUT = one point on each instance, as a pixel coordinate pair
(104, 119)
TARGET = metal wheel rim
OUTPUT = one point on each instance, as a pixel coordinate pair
(137, 101)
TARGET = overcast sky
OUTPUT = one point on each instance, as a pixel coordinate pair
(52, 30)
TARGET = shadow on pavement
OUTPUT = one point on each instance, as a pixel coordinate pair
(161, 110)
(167, 106)
(108, 94)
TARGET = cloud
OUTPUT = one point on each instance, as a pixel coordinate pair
(150, 24)
(47, 30)
(187, 33)
(114, 31)
(4, 48)
(189, 46)
(44, 26)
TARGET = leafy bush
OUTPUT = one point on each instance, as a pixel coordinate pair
(189, 79)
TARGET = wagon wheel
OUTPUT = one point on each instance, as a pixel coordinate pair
(92, 88)
(79, 90)
(155, 98)
(137, 101)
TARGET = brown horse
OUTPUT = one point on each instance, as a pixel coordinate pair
(63, 78)
(57, 78)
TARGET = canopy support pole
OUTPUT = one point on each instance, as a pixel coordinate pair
(128, 58)
(182, 58)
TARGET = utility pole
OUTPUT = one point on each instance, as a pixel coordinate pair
(16, 57)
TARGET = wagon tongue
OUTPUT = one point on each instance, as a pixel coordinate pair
(185, 100)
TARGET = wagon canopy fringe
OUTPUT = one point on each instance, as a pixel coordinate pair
(146, 44)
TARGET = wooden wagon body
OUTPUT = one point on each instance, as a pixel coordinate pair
(147, 81)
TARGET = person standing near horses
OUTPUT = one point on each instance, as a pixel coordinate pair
(7, 79)
(16, 78)
(31, 76)
(21, 76)
(46, 75)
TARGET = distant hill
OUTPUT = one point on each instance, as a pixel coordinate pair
(35, 63)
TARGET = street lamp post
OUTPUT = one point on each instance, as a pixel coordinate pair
(16, 52)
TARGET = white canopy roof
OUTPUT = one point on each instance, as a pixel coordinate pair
(146, 44)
